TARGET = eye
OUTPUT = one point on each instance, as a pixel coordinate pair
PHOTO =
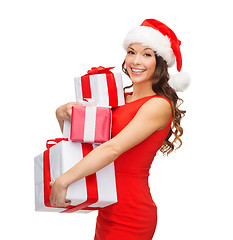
(130, 52)
(147, 54)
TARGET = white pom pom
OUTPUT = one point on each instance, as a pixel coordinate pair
(180, 81)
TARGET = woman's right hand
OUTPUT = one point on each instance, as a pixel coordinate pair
(64, 112)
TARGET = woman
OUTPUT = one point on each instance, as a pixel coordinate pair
(139, 129)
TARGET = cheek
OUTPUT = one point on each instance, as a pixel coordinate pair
(151, 71)
(127, 61)
(152, 66)
(127, 64)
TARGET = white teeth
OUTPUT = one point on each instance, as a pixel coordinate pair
(137, 70)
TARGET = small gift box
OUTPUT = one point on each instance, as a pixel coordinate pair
(100, 84)
(90, 123)
(90, 193)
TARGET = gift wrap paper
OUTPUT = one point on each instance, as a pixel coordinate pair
(90, 124)
(105, 88)
(101, 186)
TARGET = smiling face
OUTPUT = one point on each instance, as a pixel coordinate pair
(140, 63)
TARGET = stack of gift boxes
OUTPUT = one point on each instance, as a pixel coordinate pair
(96, 93)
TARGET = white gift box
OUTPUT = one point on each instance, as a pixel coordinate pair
(105, 87)
(63, 156)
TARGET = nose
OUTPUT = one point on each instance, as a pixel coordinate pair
(137, 59)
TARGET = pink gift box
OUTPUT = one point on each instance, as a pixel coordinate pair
(90, 124)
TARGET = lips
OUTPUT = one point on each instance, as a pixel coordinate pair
(137, 70)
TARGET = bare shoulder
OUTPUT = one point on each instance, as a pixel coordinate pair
(156, 106)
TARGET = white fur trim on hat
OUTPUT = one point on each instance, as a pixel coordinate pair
(180, 81)
(153, 39)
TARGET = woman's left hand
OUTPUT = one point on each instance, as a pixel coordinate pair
(58, 194)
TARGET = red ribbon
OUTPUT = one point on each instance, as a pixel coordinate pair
(99, 70)
(91, 181)
(112, 88)
(46, 168)
(51, 142)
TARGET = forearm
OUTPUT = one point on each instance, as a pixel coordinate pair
(93, 162)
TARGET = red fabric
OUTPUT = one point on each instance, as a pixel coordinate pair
(134, 216)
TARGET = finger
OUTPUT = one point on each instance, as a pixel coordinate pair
(69, 113)
(64, 205)
(52, 204)
(51, 184)
(67, 203)
(74, 104)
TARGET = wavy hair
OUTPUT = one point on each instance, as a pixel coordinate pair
(161, 87)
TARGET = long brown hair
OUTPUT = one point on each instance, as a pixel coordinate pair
(161, 87)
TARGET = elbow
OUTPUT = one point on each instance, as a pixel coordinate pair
(112, 150)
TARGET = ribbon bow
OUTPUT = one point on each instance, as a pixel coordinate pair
(88, 102)
(98, 70)
(51, 142)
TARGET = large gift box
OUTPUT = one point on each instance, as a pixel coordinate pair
(90, 193)
(100, 84)
(90, 123)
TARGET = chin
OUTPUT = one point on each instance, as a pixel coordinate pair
(138, 79)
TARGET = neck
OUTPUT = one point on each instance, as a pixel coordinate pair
(142, 90)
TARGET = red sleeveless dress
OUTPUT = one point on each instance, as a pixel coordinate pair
(134, 216)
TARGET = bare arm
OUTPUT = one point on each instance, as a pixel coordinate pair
(152, 116)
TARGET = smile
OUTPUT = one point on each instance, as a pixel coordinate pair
(138, 70)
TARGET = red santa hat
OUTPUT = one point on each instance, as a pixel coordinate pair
(164, 42)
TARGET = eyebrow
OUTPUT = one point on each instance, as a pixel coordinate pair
(143, 49)
(148, 49)
(131, 48)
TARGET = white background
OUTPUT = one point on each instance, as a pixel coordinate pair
(44, 44)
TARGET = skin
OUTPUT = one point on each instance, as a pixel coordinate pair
(152, 116)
